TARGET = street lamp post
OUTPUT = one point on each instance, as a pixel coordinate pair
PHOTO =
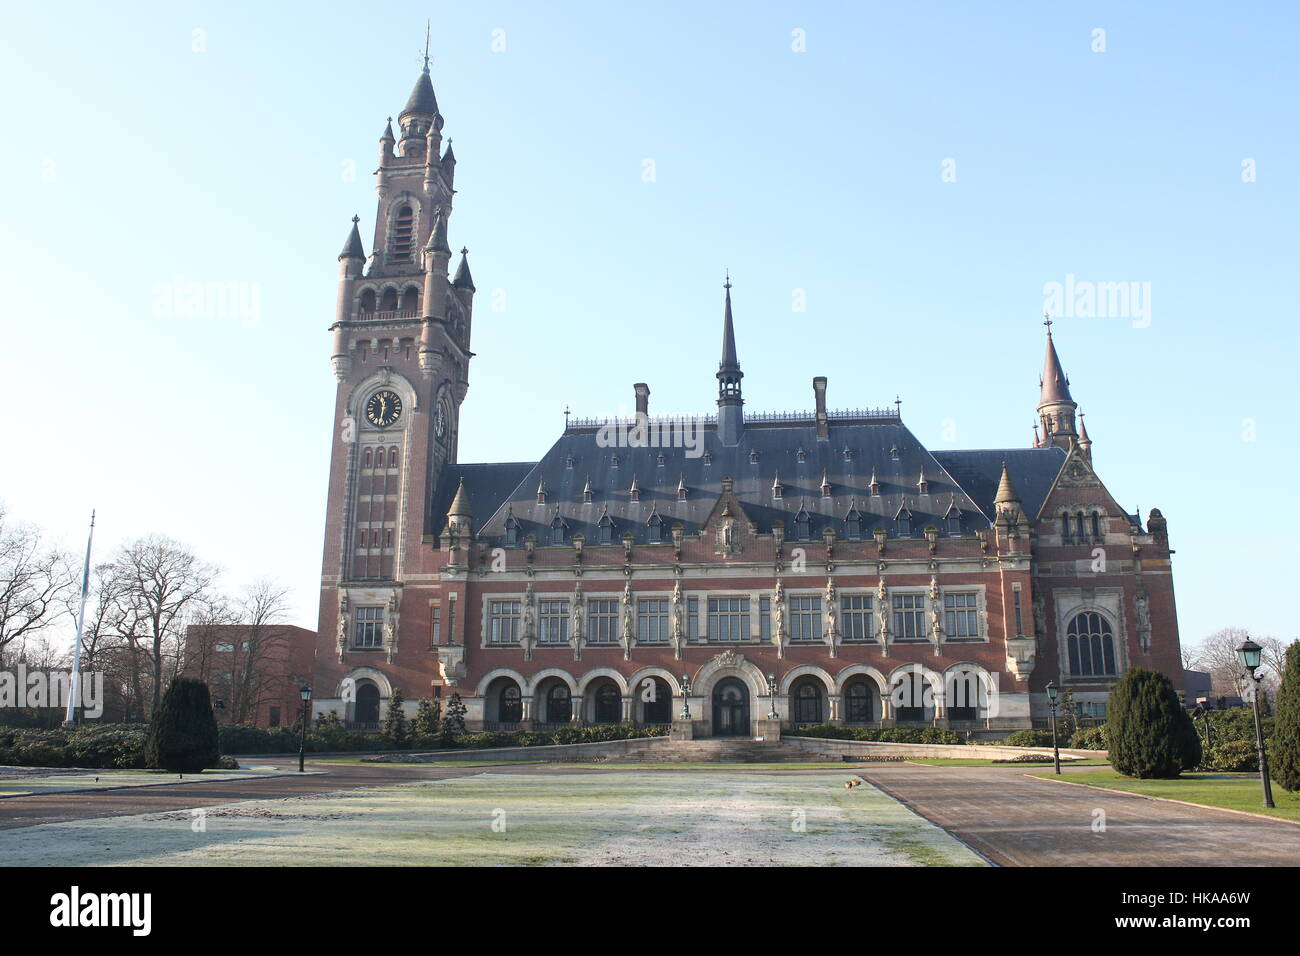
(686, 694)
(305, 693)
(771, 693)
(1052, 692)
(1248, 654)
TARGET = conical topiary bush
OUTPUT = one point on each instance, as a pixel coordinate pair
(1148, 731)
(182, 734)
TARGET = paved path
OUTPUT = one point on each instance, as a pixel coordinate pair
(27, 811)
(1016, 820)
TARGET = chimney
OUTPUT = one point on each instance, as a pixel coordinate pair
(819, 392)
(642, 398)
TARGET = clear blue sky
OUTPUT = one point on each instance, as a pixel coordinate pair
(133, 161)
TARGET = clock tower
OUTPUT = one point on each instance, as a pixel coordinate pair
(401, 355)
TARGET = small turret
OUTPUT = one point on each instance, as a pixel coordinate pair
(1007, 501)
(1085, 443)
(352, 261)
(459, 515)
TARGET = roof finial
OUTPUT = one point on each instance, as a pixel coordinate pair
(356, 218)
(426, 46)
(1047, 321)
(727, 283)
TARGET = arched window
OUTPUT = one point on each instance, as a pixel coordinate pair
(857, 703)
(1065, 524)
(411, 300)
(368, 300)
(1096, 525)
(403, 233)
(366, 459)
(1091, 645)
(609, 701)
(807, 703)
(366, 708)
(559, 704)
(1078, 521)
(510, 710)
(392, 457)
(388, 303)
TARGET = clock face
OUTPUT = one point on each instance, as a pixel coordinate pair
(384, 408)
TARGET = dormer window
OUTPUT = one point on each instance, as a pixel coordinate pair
(853, 524)
(904, 522)
(605, 529)
(708, 458)
(801, 456)
(778, 489)
(512, 531)
(753, 457)
(559, 530)
(893, 453)
(826, 486)
(403, 233)
(656, 527)
(802, 524)
(953, 519)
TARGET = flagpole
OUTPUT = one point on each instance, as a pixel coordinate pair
(74, 692)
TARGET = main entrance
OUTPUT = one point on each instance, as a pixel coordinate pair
(730, 708)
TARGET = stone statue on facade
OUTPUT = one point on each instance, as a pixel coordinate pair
(832, 622)
(882, 612)
(577, 623)
(629, 622)
(678, 620)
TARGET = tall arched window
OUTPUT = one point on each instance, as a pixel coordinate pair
(1091, 644)
(403, 233)
(559, 704)
(1096, 525)
(857, 702)
(1065, 524)
(511, 707)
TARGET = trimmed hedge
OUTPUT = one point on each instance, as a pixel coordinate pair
(1234, 756)
(1031, 738)
(888, 735)
(1284, 758)
(108, 746)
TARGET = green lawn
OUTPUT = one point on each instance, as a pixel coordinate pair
(987, 762)
(627, 818)
(1230, 791)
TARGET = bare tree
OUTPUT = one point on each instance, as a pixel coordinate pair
(1217, 654)
(160, 583)
(35, 580)
(256, 672)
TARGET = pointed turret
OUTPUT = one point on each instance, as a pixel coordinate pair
(1085, 443)
(731, 421)
(420, 117)
(422, 101)
(459, 514)
(463, 279)
(1056, 408)
(1007, 499)
(352, 248)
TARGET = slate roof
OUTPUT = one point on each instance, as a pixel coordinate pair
(422, 99)
(487, 486)
(577, 458)
(1032, 471)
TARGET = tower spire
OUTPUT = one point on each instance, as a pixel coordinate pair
(1056, 407)
(730, 404)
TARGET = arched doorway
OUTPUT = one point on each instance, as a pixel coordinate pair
(730, 708)
(657, 706)
(366, 709)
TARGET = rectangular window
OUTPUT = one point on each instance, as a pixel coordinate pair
(693, 619)
(1020, 622)
(275, 717)
(369, 627)
(909, 617)
(451, 621)
(552, 622)
(805, 619)
(857, 623)
(503, 622)
(960, 617)
(435, 631)
(765, 619)
(652, 621)
(728, 620)
(602, 622)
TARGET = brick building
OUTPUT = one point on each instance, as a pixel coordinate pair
(817, 567)
(253, 672)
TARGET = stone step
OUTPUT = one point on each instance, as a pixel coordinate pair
(722, 750)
